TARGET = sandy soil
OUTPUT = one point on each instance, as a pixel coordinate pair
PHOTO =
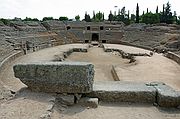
(117, 111)
(152, 69)
(26, 105)
(102, 61)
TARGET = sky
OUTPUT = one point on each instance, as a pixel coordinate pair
(71, 8)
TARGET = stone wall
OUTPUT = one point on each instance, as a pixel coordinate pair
(9, 59)
(124, 91)
(173, 56)
(114, 74)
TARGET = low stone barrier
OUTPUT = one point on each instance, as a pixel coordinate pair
(9, 59)
(59, 77)
(67, 53)
(173, 56)
(137, 46)
(114, 74)
(166, 96)
(124, 54)
(124, 91)
(80, 49)
(121, 91)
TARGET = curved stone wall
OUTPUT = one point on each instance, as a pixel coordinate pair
(173, 56)
(9, 59)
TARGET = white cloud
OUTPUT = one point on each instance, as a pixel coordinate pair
(70, 8)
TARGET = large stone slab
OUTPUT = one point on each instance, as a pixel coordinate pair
(121, 91)
(59, 77)
(167, 97)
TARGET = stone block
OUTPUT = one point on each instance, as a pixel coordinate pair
(77, 97)
(59, 77)
(80, 49)
(122, 91)
(89, 102)
(65, 99)
(167, 97)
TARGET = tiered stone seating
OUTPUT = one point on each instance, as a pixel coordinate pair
(54, 25)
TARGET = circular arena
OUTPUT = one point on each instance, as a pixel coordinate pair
(80, 70)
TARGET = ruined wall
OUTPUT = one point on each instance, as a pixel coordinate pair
(10, 59)
(173, 56)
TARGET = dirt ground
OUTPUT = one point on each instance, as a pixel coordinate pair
(117, 111)
(102, 61)
(146, 69)
(31, 105)
(152, 69)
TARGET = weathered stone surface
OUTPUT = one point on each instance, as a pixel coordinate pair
(78, 97)
(114, 74)
(46, 115)
(167, 97)
(89, 102)
(173, 56)
(67, 53)
(121, 91)
(80, 49)
(65, 99)
(60, 77)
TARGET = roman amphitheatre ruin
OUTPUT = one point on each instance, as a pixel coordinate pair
(103, 70)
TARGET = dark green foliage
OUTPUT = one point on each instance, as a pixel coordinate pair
(63, 18)
(103, 16)
(110, 17)
(150, 18)
(77, 18)
(137, 13)
(133, 18)
(166, 16)
(128, 14)
(178, 20)
(30, 19)
(147, 10)
(157, 10)
(47, 18)
(122, 16)
(99, 17)
(94, 16)
(5, 21)
(87, 18)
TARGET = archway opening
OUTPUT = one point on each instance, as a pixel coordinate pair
(68, 27)
(88, 28)
(95, 37)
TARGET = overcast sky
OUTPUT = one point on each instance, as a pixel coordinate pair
(71, 8)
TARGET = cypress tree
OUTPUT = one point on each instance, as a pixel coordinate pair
(94, 16)
(110, 17)
(147, 10)
(157, 10)
(137, 13)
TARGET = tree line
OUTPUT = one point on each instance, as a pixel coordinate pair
(148, 17)
(164, 16)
